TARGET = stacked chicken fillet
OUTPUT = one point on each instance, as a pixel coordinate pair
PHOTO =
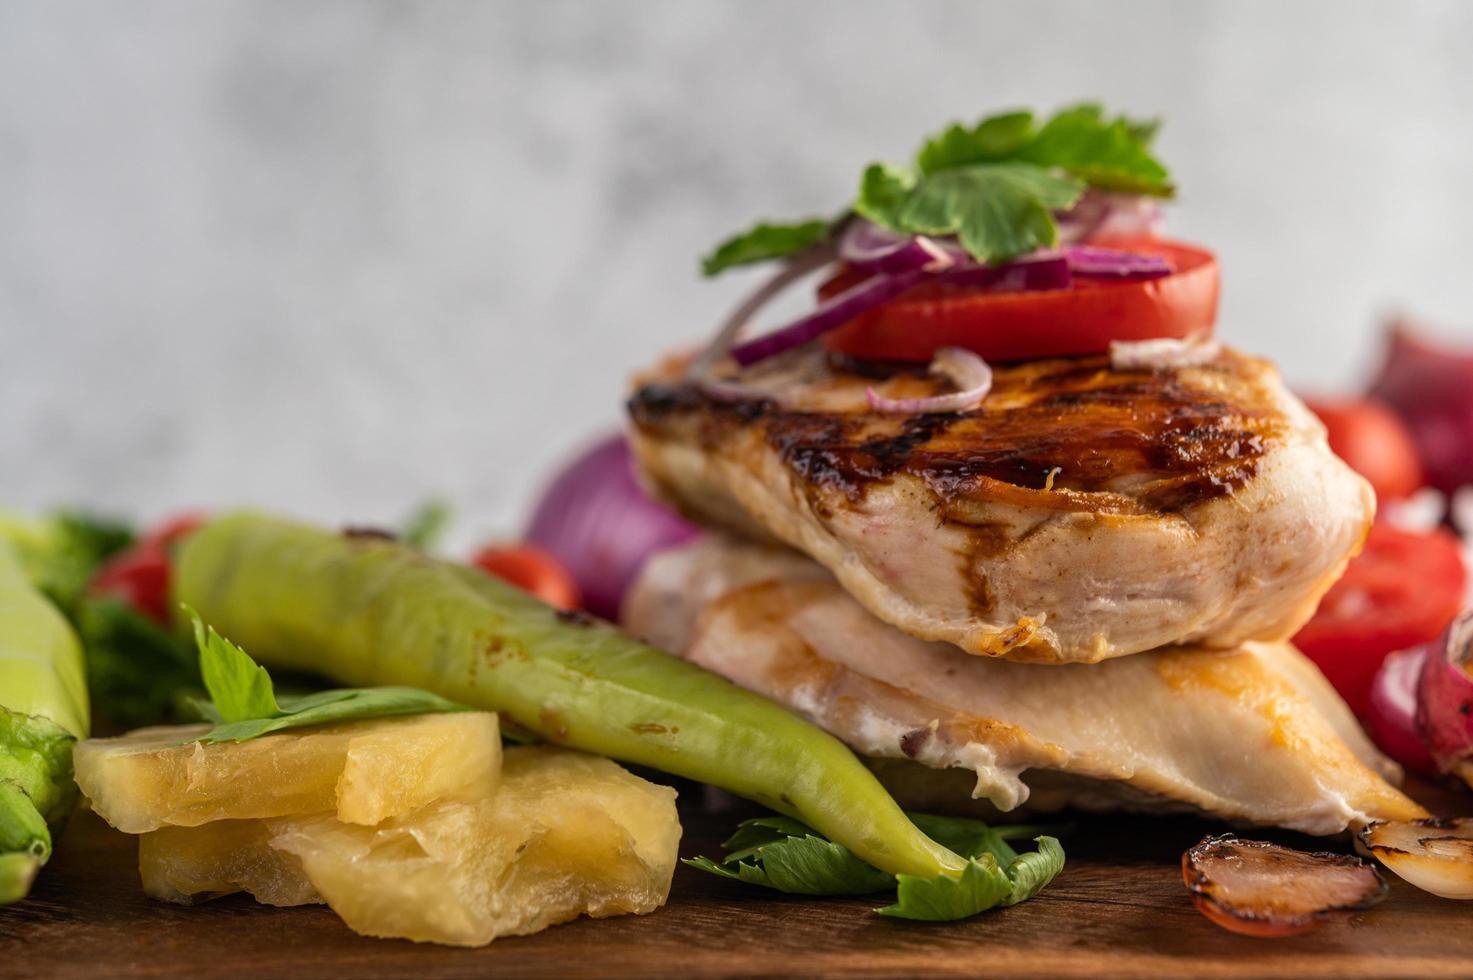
(1079, 593)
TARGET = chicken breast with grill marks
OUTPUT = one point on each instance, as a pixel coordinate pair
(1080, 513)
(1254, 734)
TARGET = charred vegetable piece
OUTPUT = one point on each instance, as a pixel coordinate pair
(43, 710)
(365, 611)
(364, 772)
(1434, 855)
(1261, 889)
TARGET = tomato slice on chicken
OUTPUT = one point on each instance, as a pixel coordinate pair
(1401, 591)
(1011, 326)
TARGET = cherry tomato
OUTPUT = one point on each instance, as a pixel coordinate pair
(1402, 590)
(140, 577)
(1007, 326)
(1374, 442)
(533, 570)
(140, 574)
(167, 533)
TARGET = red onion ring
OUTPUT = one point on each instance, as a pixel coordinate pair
(830, 314)
(963, 368)
(1114, 263)
(800, 265)
(868, 247)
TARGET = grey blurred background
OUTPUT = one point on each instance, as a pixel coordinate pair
(333, 257)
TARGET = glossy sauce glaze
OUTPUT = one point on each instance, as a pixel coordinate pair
(1064, 434)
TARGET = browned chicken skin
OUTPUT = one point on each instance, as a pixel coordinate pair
(1080, 513)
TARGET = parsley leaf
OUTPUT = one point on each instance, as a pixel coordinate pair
(138, 672)
(764, 241)
(1111, 154)
(997, 210)
(426, 525)
(244, 703)
(240, 688)
(994, 185)
(784, 854)
(994, 138)
(981, 885)
(986, 882)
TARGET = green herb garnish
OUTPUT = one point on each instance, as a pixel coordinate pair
(426, 525)
(994, 186)
(243, 702)
(785, 854)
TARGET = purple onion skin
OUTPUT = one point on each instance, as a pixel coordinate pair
(1445, 696)
(1431, 388)
(1392, 718)
(598, 522)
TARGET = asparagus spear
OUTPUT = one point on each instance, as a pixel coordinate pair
(43, 710)
(365, 611)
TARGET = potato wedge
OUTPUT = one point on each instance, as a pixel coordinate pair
(187, 865)
(567, 834)
(362, 772)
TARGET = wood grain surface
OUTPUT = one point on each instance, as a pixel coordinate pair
(1119, 908)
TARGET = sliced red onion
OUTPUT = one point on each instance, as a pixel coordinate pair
(1445, 698)
(732, 392)
(1392, 717)
(1042, 270)
(598, 522)
(963, 368)
(868, 247)
(1431, 387)
(1164, 352)
(830, 314)
(1114, 263)
(800, 265)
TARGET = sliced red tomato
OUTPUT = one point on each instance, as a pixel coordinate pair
(1374, 441)
(1010, 326)
(533, 570)
(1402, 590)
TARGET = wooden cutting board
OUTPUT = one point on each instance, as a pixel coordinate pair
(1119, 908)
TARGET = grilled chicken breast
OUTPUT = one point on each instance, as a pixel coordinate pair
(1252, 734)
(1081, 513)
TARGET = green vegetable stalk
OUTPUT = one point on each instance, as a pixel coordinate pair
(365, 611)
(43, 710)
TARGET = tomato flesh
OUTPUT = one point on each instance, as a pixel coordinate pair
(1374, 442)
(1401, 591)
(533, 570)
(140, 574)
(1010, 326)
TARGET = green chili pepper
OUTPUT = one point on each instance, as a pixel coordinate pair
(43, 710)
(366, 611)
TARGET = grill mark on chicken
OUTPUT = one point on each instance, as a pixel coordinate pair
(1080, 513)
(1095, 429)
